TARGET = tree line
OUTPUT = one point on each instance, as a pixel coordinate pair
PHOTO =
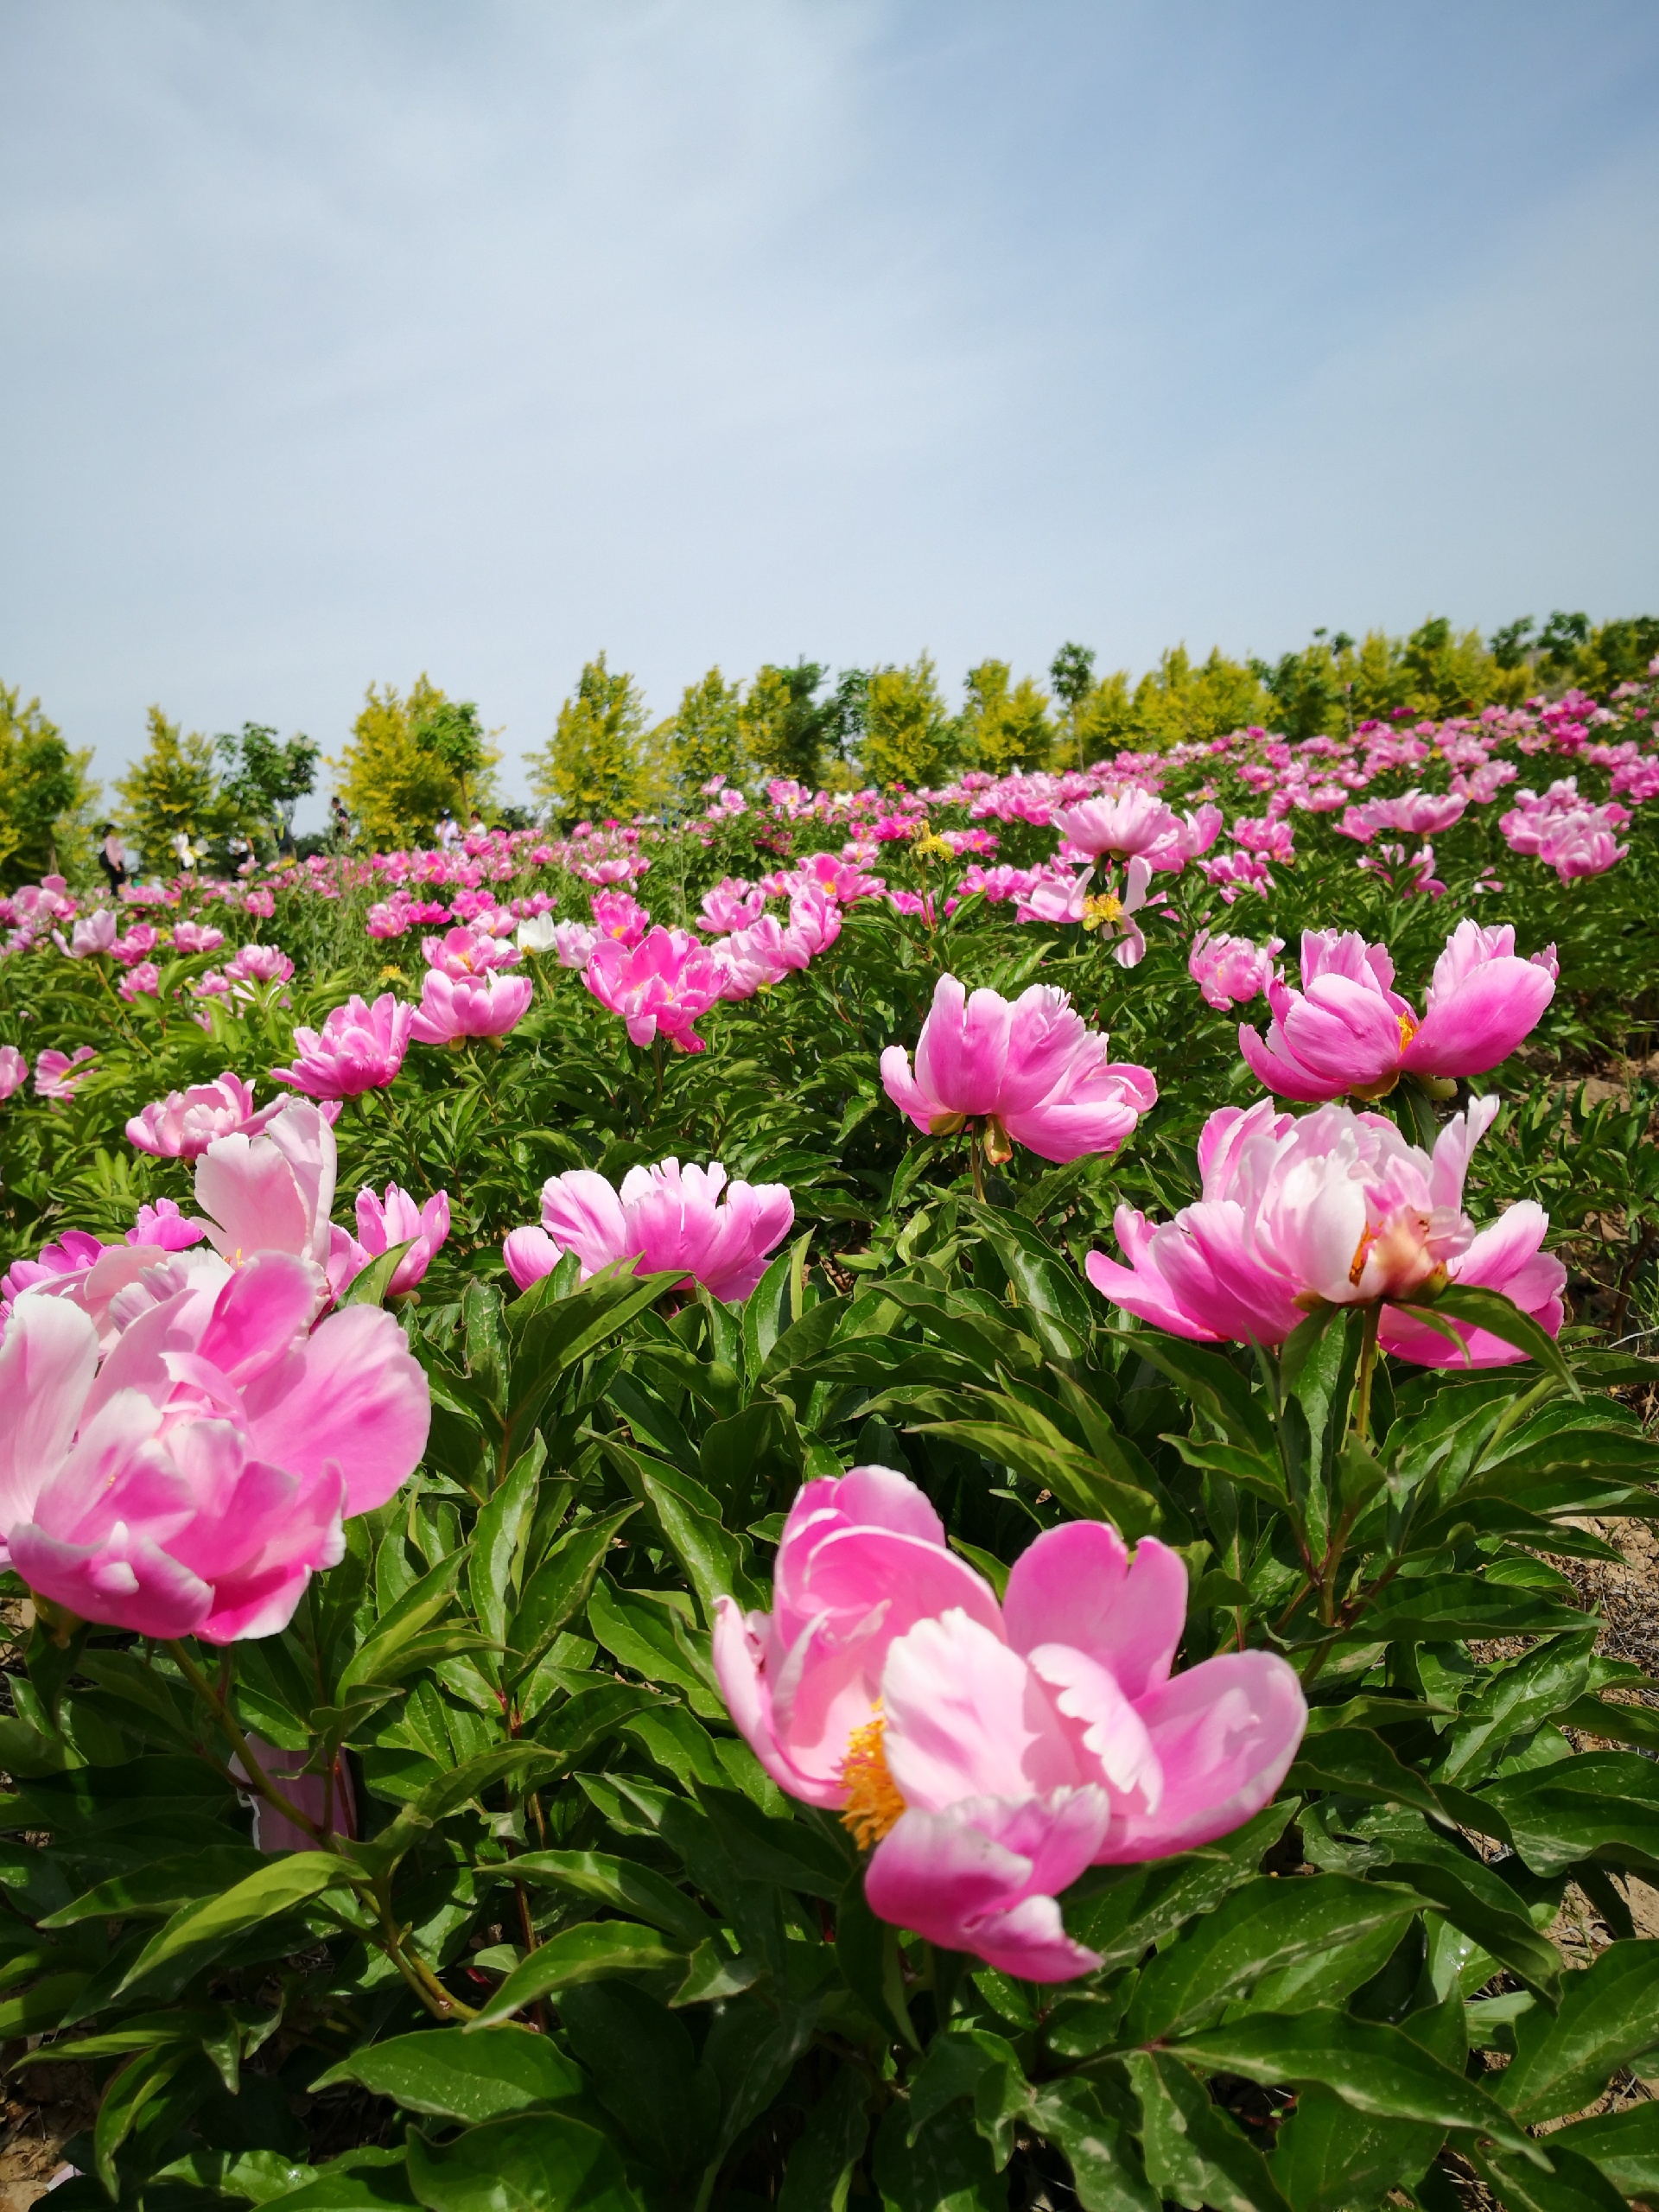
(412, 757)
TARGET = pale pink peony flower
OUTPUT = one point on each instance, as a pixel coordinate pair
(396, 1219)
(13, 1070)
(1336, 1207)
(537, 932)
(141, 981)
(462, 952)
(1347, 1029)
(260, 964)
(196, 937)
(1232, 970)
(666, 982)
(57, 1074)
(473, 1006)
(733, 904)
(574, 942)
(1031, 1072)
(662, 1218)
(359, 1047)
(270, 1189)
(990, 1752)
(93, 933)
(183, 1125)
(191, 1482)
(163, 1227)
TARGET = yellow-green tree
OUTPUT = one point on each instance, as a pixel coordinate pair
(1177, 703)
(172, 786)
(408, 757)
(1004, 725)
(47, 795)
(908, 737)
(598, 764)
(703, 739)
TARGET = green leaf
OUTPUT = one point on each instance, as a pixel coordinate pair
(559, 1589)
(645, 2071)
(1609, 2015)
(1601, 1804)
(637, 1627)
(359, 2181)
(820, 2168)
(620, 1883)
(1370, 2064)
(369, 1287)
(1089, 1489)
(1502, 1317)
(1106, 2171)
(497, 1541)
(689, 1517)
(586, 1953)
(162, 1885)
(419, 1607)
(1506, 1934)
(1356, 1763)
(127, 2094)
(1438, 1608)
(452, 2077)
(947, 2168)
(1568, 2183)
(1259, 1929)
(198, 1932)
(539, 2162)
(1624, 2146)
(1213, 1383)
(1194, 2152)
(1329, 2157)
(790, 1855)
(867, 1954)
(1134, 1907)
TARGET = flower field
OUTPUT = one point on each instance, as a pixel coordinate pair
(877, 1497)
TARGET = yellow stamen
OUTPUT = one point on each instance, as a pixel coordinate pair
(1408, 1029)
(872, 1800)
(1362, 1253)
(1100, 907)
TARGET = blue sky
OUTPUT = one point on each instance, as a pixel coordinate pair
(348, 340)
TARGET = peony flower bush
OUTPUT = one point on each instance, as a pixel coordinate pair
(932, 1540)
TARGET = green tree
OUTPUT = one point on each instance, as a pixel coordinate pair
(1004, 725)
(908, 737)
(596, 764)
(786, 727)
(1177, 703)
(173, 785)
(265, 780)
(703, 739)
(409, 758)
(47, 795)
(1312, 691)
(1618, 652)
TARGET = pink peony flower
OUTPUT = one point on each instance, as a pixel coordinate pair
(138, 945)
(13, 1070)
(190, 1481)
(141, 981)
(1131, 822)
(55, 1076)
(989, 1752)
(260, 964)
(1232, 873)
(666, 982)
(618, 916)
(472, 1005)
(814, 925)
(196, 937)
(1348, 1030)
(1232, 970)
(733, 904)
(1030, 1071)
(1419, 814)
(270, 1189)
(163, 1227)
(183, 1125)
(462, 952)
(1335, 1207)
(396, 1219)
(359, 1047)
(661, 1217)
